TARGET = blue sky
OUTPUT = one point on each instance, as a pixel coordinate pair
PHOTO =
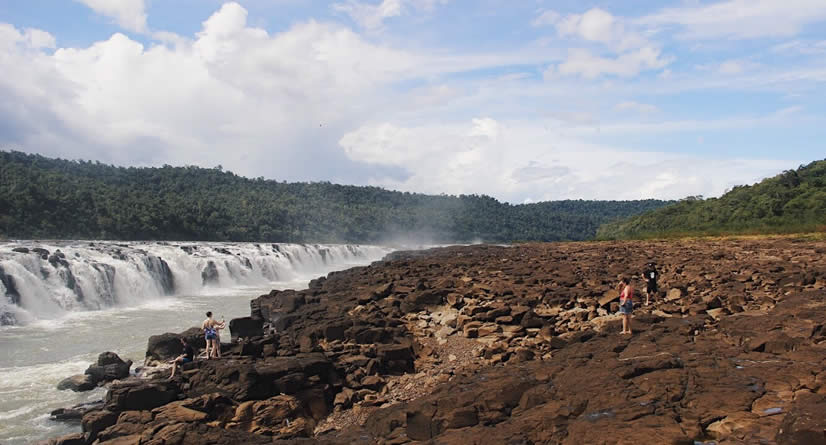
(525, 101)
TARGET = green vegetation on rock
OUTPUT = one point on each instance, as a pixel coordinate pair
(42, 197)
(791, 202)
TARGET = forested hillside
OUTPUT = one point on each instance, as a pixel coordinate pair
(53, 198)
(793, 201)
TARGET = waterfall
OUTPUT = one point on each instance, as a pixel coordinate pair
(41, 280)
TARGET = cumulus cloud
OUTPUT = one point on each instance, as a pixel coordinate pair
(276, 102)
(634, 52)
(479, 157)
(742, 19)
(320, 101)
(128, 14)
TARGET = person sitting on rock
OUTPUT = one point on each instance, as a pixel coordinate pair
(211, 327)
(187, 357)
(650, 274)
(626, 304)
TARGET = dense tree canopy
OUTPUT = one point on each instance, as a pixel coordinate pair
(53, 198)
(793, 201)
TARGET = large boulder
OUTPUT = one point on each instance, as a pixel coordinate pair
(109, 367)
(137, 395)
(246, 327)
(78, 383)
(167, 346)
(96, 421)
(276, 303)
(247, 379)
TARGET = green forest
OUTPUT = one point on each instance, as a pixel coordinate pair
(45, 198)
(791, 202)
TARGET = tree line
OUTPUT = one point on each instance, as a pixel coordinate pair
(792, 202)
(42, 197)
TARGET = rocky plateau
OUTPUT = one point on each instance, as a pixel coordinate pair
(514, 345)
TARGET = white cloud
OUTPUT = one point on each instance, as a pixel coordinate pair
(731, 67)
(372, 16)
(742, 19)
(478, 157)
(595, 25)
(320, 101)
(39, 39)
(257, 103)
(583, 62)
(801, 47)
(128, 14)
(636, 107)
(634, 52)
(30, 38)
(547, 18)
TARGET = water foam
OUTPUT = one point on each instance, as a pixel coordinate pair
(47, 281)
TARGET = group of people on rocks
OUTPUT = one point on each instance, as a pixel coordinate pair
(626, 296)
(212, 334)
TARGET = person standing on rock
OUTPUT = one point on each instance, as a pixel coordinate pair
(650, 274)
(187, 357)
(213, 345)
(626, 304)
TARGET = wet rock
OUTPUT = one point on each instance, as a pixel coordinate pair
(78, 383)
(69, 439)
(109, 367)
(210, 274)
(75, 413)
(163, 274)
(11, 288)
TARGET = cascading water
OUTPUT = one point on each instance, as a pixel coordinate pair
(47, 280)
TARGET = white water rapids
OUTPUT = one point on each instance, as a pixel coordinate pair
(66, 302)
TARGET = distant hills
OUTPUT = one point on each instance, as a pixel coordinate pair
(793, 201)
(42, 197)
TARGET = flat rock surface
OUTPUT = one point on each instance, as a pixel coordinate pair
(514, 345)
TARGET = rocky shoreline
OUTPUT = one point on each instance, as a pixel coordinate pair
(510, 345)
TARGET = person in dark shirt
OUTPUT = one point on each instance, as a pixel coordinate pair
(650, 274)
(186, 357)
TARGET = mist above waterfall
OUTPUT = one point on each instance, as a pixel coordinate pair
(44, 280)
